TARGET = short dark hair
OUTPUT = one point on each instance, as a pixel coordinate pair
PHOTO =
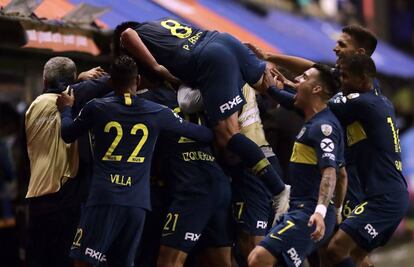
(363, 37)
(359, 65)
(120, 28)
(124, 71)
(328, 78)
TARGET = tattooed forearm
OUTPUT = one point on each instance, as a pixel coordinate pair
(327, 186)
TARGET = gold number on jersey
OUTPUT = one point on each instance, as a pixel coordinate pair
(284, 229)
(78, 237)
(360, 208)
(144, 129)
(170, 217)
(177, 29)
(395, 135)
(119, 133)
(108, 155)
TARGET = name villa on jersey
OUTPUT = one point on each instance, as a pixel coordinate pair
(121, 180)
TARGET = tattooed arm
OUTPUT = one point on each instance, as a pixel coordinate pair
(326, 190)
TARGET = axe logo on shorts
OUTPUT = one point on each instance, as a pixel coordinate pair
(95, 254)
(294, 256)
(231, 104)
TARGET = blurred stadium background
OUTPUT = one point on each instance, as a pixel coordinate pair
(33, 30)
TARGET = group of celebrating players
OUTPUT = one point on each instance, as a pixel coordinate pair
(200, 103)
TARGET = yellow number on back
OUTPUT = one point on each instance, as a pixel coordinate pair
(118, 128)
(144, 129)
(177, 29)
(360, 208)
(397, 146)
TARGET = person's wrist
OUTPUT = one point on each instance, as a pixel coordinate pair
(321, 209)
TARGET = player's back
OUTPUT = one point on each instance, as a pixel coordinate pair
(373, 142)
(174, 44)
(125, 131)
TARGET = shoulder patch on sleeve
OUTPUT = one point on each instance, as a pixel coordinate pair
(326, 129)
(352, 96)
(327, 145)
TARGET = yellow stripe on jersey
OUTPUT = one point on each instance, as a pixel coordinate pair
(355, 133)
(128, 99)
(305, 154)
(260, 166)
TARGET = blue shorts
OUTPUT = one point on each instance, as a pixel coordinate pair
(108, 235)
(203, 218)
(372, 223)
(252, 206)
(290, 240)
(354, 194)
(224, 65)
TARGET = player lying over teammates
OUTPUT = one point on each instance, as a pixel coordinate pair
(373, 142)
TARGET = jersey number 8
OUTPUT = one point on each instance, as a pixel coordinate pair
(177, 29)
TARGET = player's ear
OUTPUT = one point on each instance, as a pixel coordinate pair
(316, 89)
(361, 50)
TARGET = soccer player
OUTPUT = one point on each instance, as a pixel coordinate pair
(199, 213)
(252, 207)
(373, 134)
(316, 157)
(125, 129)
(216, 63)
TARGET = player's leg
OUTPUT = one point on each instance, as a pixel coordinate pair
(261, 257)
(216, 257)
(339, 249)
(186, 218)
(220, 81)
(217, 236)
(171, 257)
(247, 242)
(123, 249)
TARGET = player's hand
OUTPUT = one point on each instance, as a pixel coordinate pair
(280, 77)
(164, 73)
(317, 220)
(267, 81)
(259, 52)
(94, 73)
(65, 100)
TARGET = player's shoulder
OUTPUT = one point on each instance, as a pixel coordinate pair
(325, 124)
(149, 106)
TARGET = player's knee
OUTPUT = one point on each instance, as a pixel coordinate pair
(225, 129)
(258, 258)
(334, 251)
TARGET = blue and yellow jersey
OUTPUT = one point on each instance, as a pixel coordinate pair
(318, 145)
(174, 44)
(187, 163)
(372, 140)
(125, 130)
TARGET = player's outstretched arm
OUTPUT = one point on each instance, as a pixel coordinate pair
(296, 65)
(340, 192)
(70, 130)
(131, 41)
(170, 121)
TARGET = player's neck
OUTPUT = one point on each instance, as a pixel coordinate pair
(313, 108)
(130, 91)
